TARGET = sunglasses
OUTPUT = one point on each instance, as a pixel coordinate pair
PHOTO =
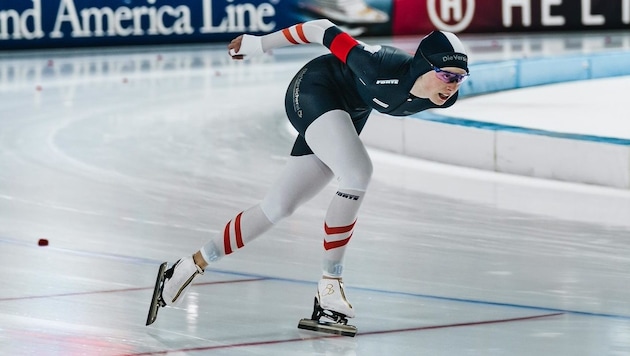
(444, 75)
(450, 77)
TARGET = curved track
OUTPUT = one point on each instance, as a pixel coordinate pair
(124, 160)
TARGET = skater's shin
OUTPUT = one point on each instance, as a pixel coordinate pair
(238, 232)
(339, 227)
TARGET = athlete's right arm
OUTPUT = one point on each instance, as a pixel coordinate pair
(318, 31)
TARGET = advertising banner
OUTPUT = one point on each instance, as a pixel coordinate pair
(29, 24)
(64, 23)
(492, 16)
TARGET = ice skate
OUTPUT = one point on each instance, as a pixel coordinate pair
(330, 304)
(171, 285)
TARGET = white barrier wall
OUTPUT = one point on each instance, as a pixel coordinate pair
(517, 152)
(571, 160)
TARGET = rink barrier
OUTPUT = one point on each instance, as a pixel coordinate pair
(560, 156)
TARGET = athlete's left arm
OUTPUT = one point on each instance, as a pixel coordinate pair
(322, 32)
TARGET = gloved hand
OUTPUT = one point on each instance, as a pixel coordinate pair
(245, 46)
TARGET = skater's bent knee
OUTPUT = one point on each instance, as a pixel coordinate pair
(358, 177)
(275, 210)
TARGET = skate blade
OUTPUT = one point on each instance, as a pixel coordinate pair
(155, 300)
(327, 327)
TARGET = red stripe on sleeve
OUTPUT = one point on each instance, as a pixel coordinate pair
(341, 46)
(237, 226)
(288, 36)
(226, 239)
(300, 32)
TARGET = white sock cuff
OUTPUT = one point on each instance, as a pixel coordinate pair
(209, 252)
(332, 269)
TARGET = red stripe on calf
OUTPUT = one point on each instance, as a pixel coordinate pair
(237, 226)
(300, 32)
(226, 239)
(338, 229)
(288, 36)
(341, 46)
(336, 244)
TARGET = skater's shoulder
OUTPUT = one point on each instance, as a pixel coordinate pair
(377, 58)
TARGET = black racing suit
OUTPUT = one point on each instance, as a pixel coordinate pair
(373, 77)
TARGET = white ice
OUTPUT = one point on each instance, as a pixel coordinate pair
(124, 160)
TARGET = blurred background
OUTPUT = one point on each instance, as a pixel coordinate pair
(77, 23)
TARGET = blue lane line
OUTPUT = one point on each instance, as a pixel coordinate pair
(148, 261)
(517, 129)
(434, 297)
(508, 305)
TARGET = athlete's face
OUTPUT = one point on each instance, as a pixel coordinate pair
(433, 86)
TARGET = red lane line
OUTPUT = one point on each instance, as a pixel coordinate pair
(378, 332)
(123, 290)
(473, 323)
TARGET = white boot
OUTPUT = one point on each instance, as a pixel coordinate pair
(331, 297)
(178, 279)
